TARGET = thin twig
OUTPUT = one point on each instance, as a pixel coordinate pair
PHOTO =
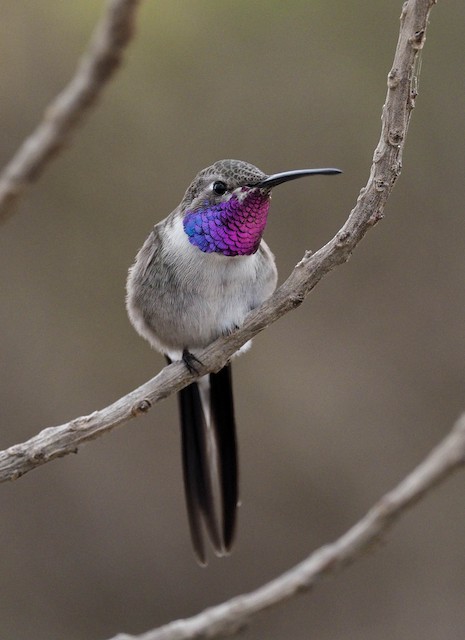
(59, 441)
(231, 616)
(96, 67)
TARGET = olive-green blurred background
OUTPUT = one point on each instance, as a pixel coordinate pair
(335, 403)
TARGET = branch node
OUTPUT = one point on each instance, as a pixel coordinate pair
(395, 137)
(381, 185)
(393, 79)
(343, 239)
(306, 257)
(418, 39)
(297, 298)
(363, 191)
(143, 406)
(37, 457)
(82, 421)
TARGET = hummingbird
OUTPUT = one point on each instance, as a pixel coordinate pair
(200, 271)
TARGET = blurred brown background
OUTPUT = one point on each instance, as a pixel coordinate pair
(335, 403)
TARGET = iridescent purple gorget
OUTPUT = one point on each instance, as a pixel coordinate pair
(233, 227)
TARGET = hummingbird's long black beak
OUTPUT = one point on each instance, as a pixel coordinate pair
(285, 176)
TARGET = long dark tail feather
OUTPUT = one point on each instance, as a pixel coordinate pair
(191, 480)
(223, 422)
(207, 464)
(197, 474)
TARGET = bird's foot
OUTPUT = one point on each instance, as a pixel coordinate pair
(191, 361)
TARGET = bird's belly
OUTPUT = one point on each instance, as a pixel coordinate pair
(195, 299)
(203, 315)
(210, 317)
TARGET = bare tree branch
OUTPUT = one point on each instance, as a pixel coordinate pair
(230, 617)
(96, 67)
(448, 456)
(58, 441)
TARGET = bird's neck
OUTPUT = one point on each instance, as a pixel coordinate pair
(231, 228)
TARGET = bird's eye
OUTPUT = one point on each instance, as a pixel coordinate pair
(219, 188)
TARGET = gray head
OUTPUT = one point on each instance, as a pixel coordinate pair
(232, 173)
(237, 173)
(225, 208)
